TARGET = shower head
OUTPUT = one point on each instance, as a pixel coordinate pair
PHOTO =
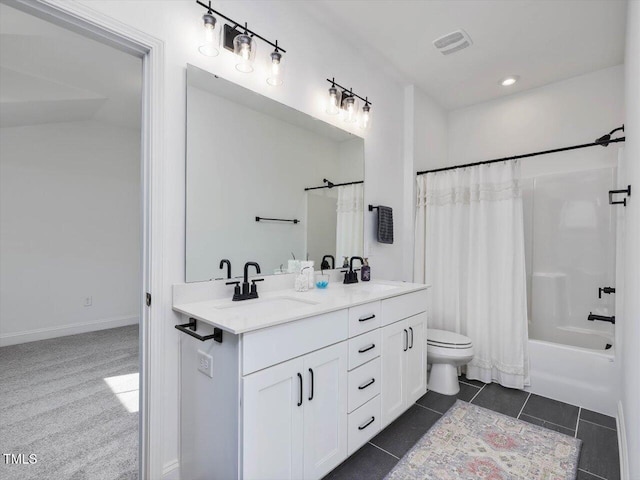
(605, 139)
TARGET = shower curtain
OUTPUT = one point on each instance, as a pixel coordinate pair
(350, 229)
(470, 248)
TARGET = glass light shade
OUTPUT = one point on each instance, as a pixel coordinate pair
(245, 47)
(275, 69)
(333, 103)
(210, 37)
(365, 118)
(349, 108)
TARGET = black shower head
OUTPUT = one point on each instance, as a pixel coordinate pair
(605, 139)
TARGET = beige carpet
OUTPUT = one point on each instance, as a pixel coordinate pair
(72, 402)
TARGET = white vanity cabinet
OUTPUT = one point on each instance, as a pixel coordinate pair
(295, 417)
(293, 399)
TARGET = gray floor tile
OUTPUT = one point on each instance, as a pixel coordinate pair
(599, 450)
(552, 411)
(405, 431)
(582, 475)
(500, 399)
(442, 403)
(598, 418)
(477, 383)
(550, 426)
(368, 463)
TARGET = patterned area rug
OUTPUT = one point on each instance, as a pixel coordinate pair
(471, 442)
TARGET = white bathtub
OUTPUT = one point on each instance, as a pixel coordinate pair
(585, 377)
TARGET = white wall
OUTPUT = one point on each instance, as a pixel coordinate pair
(70, 222)
(630, 318)
(570, 112)
(313, 54)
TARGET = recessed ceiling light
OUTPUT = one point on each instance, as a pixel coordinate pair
(508, 81)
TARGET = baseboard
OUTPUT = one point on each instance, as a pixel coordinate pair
(64, 330)
(622, 443)
(171, 471)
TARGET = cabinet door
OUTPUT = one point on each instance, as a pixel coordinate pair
(325, 410)
(273, 422)
(394, 358)
(416, 374)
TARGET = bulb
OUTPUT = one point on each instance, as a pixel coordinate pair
(333, 102)
(350, 109)
(365, 119)
(275, 69)
(244, 47)
(209, 45)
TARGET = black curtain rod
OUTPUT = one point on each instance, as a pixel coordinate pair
(331, 185)
(526, 155)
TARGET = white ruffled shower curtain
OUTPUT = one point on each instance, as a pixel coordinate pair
(350, 228)
(470, 248)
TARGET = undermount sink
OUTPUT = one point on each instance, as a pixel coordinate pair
(369, 288)
(265, 306)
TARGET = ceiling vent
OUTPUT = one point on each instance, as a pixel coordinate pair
(453, 42)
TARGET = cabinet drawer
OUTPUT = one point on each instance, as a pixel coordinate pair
(364, 347)
(364, 384)
(266, 347)
(364, 318)
(364, 423)
(403, 306)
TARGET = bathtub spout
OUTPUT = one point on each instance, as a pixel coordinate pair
(601, 318)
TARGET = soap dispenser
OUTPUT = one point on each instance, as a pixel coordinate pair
(365, 271)
(345, 263)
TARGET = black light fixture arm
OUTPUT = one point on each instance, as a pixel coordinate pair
(239, 24)
(331, 185)
(350, 90)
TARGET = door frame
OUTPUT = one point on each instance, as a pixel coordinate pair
(89, 22)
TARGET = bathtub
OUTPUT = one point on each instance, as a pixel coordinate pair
(586, 377)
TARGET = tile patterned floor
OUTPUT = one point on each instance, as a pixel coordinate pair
(598, 459)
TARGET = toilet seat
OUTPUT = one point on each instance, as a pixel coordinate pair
(445, 339)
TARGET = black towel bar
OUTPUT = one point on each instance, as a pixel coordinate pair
(295, 220)
(191, 327)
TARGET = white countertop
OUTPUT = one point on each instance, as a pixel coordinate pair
(290, 305)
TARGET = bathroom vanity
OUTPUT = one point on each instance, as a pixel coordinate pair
(299, 381)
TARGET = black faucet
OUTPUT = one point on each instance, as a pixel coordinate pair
(602, 318)
(248, 292)
(325, 265)
(351, 276)
(228, 263)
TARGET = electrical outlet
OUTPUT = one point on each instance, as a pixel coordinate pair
(88, 301)
(205, 363)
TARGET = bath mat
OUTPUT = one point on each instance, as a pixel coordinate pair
(471, 443)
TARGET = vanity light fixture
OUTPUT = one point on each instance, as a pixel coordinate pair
(211, 36)
(346, 102)
(241, 41)
(508, 81)
(275, 68)
(245, 47)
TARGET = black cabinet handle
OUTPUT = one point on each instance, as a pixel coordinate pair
(368, 384)
(362, 427)
(300, 380)
(406, 341)
(411, 330)
(312, 382)
(362, 350)
(364, 319)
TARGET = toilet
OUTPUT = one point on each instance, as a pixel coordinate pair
(446, 351)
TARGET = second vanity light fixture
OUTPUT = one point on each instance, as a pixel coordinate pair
(344, 101)
(241, 41)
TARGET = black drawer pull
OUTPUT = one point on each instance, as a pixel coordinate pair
(362, 427)
(406, 341)
(368, 384)
(411, 330)
(370, 347)
(364, 319)
(300, 379)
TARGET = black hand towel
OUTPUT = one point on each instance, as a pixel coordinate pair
(385, 224)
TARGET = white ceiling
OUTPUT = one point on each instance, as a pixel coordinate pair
(543, 41)
(50, 74)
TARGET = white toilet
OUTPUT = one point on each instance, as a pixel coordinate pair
(446, 351)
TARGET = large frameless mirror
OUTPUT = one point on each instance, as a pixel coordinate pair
(266, 183)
